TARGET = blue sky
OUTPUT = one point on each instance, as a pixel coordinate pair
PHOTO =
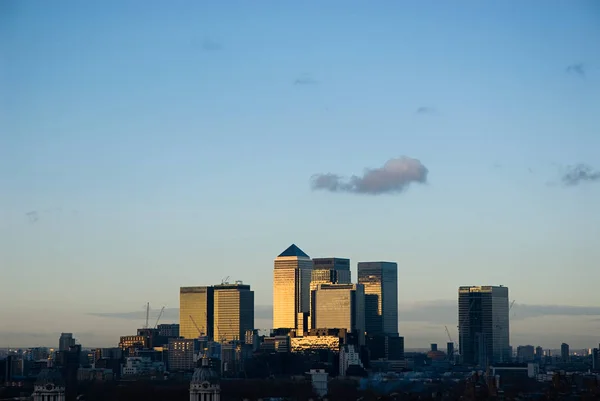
(164, 144)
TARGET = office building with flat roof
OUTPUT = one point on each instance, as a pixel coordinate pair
(483, 325)
(380, 281)
(196, 312)
(339, 306)
(233, 311)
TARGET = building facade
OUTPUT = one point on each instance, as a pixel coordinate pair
(339, 306)
(196, 309)
(66, 341)
(380, 280)
(49, 386)
(233, 311)
(483, 325)
(205, 385)
(291, 289)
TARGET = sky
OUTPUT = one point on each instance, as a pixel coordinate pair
(148, 145)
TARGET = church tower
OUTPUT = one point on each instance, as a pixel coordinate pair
(49, 386)
(205, 383)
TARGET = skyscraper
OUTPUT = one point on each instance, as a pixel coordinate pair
(565, 355)
(328, 271)
(483, 324)
(339, 306)
(291, 288)
(66, 341)
(381, 296)
(196, 311)
(234, 311)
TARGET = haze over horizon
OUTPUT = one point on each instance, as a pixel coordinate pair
(149, 146)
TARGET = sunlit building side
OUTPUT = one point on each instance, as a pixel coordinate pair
(233, 311)
(196, 307)
(291, 288)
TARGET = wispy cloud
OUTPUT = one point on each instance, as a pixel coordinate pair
(33, 216)
(577, 69)
(580, 173)
(446, 311)
(305, 79)
(434, 312)
(172, 314)
(425, 110)
(393, 177)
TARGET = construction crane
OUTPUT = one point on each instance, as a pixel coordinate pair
(225, 280)
(159, 316)
(200, 333)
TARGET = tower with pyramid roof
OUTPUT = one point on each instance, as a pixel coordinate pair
(291, 289)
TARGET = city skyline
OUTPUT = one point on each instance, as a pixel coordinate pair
(143, 149)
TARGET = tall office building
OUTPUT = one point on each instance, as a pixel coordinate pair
(291, 289)
(483, 324)
(66, 341)
(196, 311)
(381, 296)
(339, 306)
(329, 271)
(234, 311)
(565, 355)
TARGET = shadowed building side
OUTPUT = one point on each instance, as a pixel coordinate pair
(380, 280)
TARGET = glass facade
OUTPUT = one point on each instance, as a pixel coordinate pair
(339, 306)
(483, 324)
(291, 288)
(329, 270)
(314, 343)
(380, 280)
(234, 311)
(196, 306)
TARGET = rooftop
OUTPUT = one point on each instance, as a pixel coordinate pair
(293, 250)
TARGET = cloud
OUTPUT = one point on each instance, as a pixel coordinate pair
(33, 216)
(446, 311)
(305, 80)
(425, 110)
(575, 175)
(394, 177)
(172, 314)
(577, 69)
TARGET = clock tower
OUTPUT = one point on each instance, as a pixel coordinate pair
(49, 386)
(205, 383)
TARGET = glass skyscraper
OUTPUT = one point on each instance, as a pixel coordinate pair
(328, 271)
(291, 289)
(234, 311)
(196, 307)
(483, 325)
(380, 280)
(339, 306)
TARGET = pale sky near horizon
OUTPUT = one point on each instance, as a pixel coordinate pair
(148, 145)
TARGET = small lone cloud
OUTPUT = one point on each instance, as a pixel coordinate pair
(577, 69)
(425, 110)
(393, 177)
(33, 216)
(575, 175)
(211, 46)
(305, 80)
